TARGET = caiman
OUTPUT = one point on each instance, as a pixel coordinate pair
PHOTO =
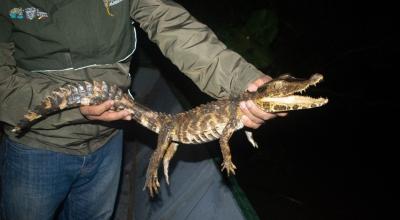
(215, 120)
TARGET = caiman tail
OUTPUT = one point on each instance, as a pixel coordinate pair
(73, 95)
(145, 116)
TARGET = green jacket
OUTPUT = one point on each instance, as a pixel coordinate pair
(44, 44)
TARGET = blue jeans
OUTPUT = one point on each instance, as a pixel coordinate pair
(37, 184)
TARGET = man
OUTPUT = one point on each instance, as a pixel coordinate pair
(71, 161)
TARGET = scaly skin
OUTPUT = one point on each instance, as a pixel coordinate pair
(214, 120)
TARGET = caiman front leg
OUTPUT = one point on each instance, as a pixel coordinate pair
(152, 183)
(167, 158)
(226, 152)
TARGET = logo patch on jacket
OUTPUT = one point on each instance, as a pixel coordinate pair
(30, 13)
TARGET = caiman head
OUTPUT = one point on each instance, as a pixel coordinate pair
(284, 94)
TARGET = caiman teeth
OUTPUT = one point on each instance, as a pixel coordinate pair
(295, 99)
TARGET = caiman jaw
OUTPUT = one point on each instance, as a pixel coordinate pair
(289, 103)
(280, 94)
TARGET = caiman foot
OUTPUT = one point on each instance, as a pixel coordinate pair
(229, 166)
(152, 184)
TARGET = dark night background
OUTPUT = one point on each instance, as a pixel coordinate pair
(335, 162)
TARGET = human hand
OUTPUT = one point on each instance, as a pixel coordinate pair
(103, 112)
(253, 116)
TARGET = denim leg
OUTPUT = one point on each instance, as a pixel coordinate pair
(34, 182)
(94, 193)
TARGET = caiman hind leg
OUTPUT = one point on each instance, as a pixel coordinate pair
(226, 152)
(167, 158)
(152, 183)
(250, 138)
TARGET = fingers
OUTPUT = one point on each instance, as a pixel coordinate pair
(281, 114)
(248, 123)
(252, 87)
(102, 112)
(254, 117)
(96, 110)
(112, 116)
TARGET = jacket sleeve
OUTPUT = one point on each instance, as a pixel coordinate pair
(19, 91)
(10, 80)
(193, 48)
(17, 87)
